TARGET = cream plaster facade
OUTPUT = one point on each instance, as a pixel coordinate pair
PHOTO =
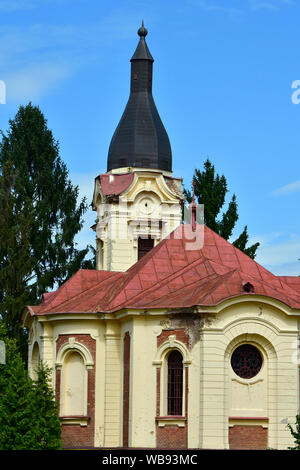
(149, 207)
(217, 398)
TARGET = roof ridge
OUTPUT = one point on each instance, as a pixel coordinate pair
(174, 275)
(171, 272)
(106, 298)
(270, 285)
(292, 278)
(133, 271)
(238, 250)
(60, 288)
(221, 278)
(213, 279)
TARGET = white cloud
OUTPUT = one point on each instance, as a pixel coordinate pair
(36, 58)
(219, 6)
(272, 5)
(14, 5)
(32, 82)
(287, 269)
(287, 189)
(269, 4)
(266, 238)
(216, 6)
(278, 253)
(8, 6)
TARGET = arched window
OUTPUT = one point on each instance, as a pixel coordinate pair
(74, 390)
(35, 360)
(172, 361)
(175, 383)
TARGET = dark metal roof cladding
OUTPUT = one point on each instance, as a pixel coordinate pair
(140, 140)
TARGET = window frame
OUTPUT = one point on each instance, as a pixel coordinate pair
(234, 370)
(161, 363)
(72, 346)
(63, 394)
(175, 384)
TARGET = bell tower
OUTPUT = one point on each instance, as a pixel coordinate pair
(138, 202)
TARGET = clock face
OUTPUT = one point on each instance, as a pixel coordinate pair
(146, 205)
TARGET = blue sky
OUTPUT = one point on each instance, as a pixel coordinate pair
(223, 76)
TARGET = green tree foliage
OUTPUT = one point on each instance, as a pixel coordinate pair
(40, 216)
(295, 433)
(210, 190)
(28, 414)
(47, 425)
(15, 263)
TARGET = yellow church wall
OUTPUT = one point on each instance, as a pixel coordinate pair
(107, 395)
(145, 359)
(217, 399)
(41, 336)
(275, 333)
(143, 382)
(194, 401)
(122, 255)
(209, 376)
(112, 400)
(149, 181)
(96, 330)
(147, 207)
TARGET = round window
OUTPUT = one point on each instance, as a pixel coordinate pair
(246, 361)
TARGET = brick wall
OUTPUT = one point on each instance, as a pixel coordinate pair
(180, 334)
(248, 437)
(171, 437)
(75, 435)
(126, 382)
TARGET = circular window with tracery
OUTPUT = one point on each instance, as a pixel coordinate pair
(246, 361)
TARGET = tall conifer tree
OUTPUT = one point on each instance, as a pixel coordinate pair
(15, 405)
(28, 413)
(47, 429)
(210, 190)
(40, 215)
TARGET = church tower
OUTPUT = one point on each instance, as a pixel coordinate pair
(138, 202)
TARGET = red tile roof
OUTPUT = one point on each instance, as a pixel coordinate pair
(172, 276)
(113, 185)
(292, 281)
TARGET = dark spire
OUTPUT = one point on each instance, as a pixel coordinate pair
(142, 52)
(140, 139)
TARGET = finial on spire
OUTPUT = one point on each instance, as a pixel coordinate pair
(142, 31)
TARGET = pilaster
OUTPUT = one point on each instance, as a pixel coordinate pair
(112, 385)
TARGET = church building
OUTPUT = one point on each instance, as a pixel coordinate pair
(177, 339)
